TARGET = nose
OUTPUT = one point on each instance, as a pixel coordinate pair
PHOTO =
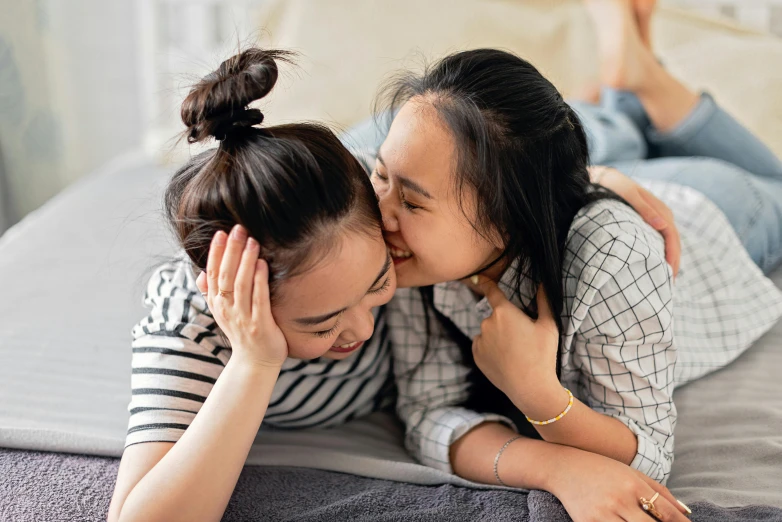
(387, 209)
(361, 323)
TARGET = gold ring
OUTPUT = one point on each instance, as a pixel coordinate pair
(648, 506)
(225, 293)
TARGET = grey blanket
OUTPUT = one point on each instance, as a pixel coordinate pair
(58, 487)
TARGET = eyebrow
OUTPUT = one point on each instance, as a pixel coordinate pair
(318, 319)
(407, 182)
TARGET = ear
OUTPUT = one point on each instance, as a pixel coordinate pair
(497, 240)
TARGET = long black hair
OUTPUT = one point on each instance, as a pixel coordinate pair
(523, 151)
(292, 187)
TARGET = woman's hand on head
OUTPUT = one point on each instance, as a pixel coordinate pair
(236, 288)
(651, 209)
(516, 353)
(596, 488)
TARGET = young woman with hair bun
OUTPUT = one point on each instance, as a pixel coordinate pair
(257, 322)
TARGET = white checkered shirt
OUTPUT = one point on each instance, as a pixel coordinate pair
(631, 333)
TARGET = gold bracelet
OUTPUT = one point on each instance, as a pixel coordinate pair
(555, 419)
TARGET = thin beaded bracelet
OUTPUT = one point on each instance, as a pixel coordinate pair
(497, 460)
(555, 419)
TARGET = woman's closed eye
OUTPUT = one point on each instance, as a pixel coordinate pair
(379, 290)
(382, 288)
(329, 332)
(406, 204)
(402, 199)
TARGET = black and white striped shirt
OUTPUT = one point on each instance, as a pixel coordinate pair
(179, 353)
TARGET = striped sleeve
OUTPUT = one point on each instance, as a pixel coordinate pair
(178, 354)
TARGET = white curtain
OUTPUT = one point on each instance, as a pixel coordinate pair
(68, 95)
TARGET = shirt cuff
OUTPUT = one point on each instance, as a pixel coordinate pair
(157, 425)
(154, 435)
(442, 427)
(651, 458)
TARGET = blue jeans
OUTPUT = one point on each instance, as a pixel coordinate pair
(708, 151)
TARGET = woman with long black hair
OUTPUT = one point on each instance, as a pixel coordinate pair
(547, 333)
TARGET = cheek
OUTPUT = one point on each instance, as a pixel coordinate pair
(444, 249)
(307, 346)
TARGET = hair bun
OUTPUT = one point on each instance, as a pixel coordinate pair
(223, 125)
(218, 103)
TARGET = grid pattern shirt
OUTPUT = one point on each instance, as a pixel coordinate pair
(631, 333)
(179, 353)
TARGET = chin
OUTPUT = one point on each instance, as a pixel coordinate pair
(407, 278)
(414, 278)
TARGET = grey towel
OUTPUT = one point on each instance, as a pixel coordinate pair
(56, 487)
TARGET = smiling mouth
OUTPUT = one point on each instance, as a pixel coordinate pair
(398, 255)
(346, 348)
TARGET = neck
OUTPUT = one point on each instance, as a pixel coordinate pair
(495, 267)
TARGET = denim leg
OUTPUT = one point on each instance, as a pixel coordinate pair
(714, 154)
(611, 135)
(752, 204)
(628, 104)
(708, 131)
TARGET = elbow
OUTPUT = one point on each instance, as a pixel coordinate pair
(138, 516)
(129, 511)
(115, 510)
(123, 514)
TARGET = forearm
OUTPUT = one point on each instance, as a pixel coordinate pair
(195, 479)
(581, 427)
(591, 431)
(525, 463)
(472, 457)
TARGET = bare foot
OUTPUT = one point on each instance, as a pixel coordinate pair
(625, 62)
(644, 9)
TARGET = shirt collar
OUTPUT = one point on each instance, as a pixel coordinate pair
(455, 301)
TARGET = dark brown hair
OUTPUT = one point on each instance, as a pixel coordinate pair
(293, 187)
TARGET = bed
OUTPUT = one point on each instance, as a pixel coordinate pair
(72, 275)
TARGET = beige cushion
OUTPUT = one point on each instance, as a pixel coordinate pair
(349, 46)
